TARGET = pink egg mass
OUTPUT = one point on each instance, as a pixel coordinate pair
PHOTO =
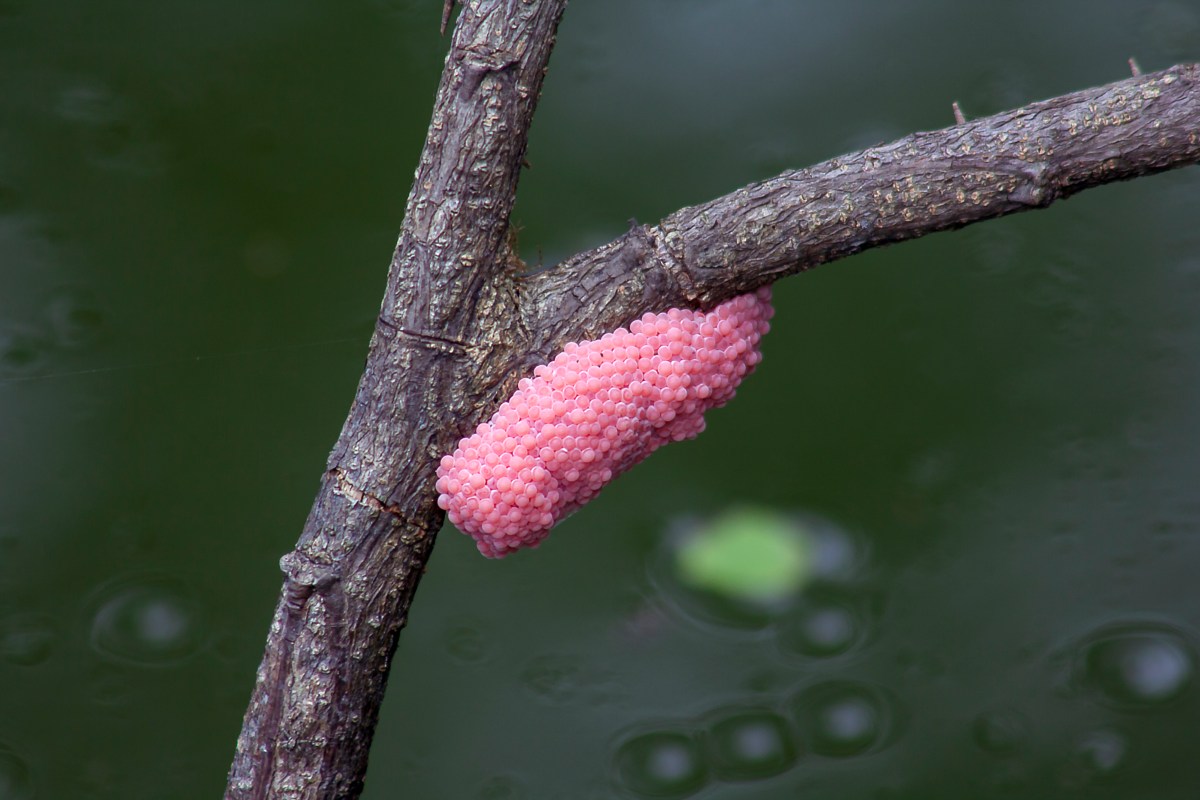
(599, 408)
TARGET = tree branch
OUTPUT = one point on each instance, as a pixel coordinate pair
(459, 325)
(352, 575)
(927, 182)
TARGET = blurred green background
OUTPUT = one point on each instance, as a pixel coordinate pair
(986, 440)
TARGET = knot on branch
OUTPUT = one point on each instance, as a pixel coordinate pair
(667, 245)
(304, 576)
(477, 65)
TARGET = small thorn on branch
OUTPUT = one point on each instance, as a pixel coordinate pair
(447, 7)
(959, 119)
(1134, 68)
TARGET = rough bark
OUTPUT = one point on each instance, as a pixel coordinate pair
(350, 579)
(459, 324)
(926, 182)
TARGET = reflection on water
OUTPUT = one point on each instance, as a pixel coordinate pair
(825, 631)
(148, 621)
(664, 763)
(831, 621)
(749, 568)
(466, 643)
(830, 614)
(844, 718)
(750, 744)
(836, 719)
(1136, 665)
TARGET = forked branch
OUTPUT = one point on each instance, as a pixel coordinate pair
(459, 325)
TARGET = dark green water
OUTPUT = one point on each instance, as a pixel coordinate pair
(996, 430)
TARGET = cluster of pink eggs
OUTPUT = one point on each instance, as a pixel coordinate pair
(597, 409)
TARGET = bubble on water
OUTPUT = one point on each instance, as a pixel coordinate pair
(1103, 750)
(566, 680)
(1136, 665)
(846, 718)
(465, 644)
(829, 624)
(148, 621)
(826, 631)
(27, 639)
(21, 352)
(750, 744)
(76, 318)
(1001, 732)
(661, 764)
(16, 782)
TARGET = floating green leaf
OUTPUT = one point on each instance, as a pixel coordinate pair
(747, 554)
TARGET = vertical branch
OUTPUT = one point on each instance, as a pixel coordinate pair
(446, 319)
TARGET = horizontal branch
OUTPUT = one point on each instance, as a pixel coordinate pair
(926, 182)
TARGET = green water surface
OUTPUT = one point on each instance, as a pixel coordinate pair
(988, 441)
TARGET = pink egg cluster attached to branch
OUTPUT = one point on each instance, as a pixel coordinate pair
(599, 408)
